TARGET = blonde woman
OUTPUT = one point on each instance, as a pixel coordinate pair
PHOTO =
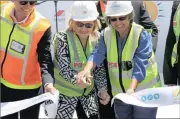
(72, 48)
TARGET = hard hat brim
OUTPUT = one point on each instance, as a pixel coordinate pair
(84, 19)
(119, 14)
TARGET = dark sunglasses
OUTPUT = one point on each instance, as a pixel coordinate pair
(26, 2)
(120, 19)
(87, 25)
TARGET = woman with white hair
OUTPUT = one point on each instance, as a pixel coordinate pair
(131, 61)
(72, 48)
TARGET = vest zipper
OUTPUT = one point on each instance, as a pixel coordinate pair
(120, 63)
(120, 59)
(7, 49)
(120, 75)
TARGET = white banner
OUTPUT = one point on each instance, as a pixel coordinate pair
(16, 106)
(153, 97)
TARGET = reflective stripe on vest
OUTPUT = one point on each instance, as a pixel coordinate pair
(78, 61)
(176, 28)
(4, 4)
(24, 72)
(130, 47)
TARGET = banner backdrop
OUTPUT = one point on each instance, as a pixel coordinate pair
(47, 9)
(159, 11)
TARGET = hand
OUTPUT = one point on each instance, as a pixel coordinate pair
(50, 88)
(104, 96)
(83, 74)
(130, 91)
(84, 82)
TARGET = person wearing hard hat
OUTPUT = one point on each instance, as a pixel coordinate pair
(71, 50)
(131, 61)
(141, 17)
(171, 67)
(25, 57)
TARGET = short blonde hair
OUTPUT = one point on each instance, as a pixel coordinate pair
(95, 33)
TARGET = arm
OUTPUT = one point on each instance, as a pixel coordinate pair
(101, 84)
(95, 59)
(100, 77)
(62, 56)
(98, 55)
(141, 59)
(147, 23)
(45, 59)
(170, 41)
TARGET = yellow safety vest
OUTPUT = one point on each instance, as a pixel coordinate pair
(176, 27)
(18, 49)
(78, 61)
(128, 52)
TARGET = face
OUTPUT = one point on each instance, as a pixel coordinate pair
(121, 23)
(24, 7)
(83, 28)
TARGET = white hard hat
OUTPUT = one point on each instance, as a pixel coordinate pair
(118, 8)
(84, 11)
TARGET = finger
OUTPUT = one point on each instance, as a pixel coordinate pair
(77, 81)
(88, 80)
(89, 77)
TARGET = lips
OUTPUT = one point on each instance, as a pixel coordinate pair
(25, 10)
(83, 32)
(120, 26)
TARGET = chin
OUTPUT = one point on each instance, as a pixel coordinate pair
(84, 35)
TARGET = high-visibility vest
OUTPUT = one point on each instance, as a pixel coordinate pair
(176, 28)
(78, 60)
(126, 62)
(18, 49)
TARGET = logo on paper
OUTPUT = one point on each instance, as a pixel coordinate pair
(176, 95)
(150, 97)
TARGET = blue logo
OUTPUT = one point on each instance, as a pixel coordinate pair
(156, 96)
(150, 97)
(143, 98)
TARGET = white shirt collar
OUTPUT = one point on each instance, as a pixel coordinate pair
(15, 20)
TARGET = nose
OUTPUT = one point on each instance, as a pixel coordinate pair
(83, 28)
(118, 22)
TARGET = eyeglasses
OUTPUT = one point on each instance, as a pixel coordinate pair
(120, 19)
(26, 2)
(87, 25)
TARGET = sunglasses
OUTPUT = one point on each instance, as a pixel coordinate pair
(120, 19)
(87, 25)
(26, 2)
